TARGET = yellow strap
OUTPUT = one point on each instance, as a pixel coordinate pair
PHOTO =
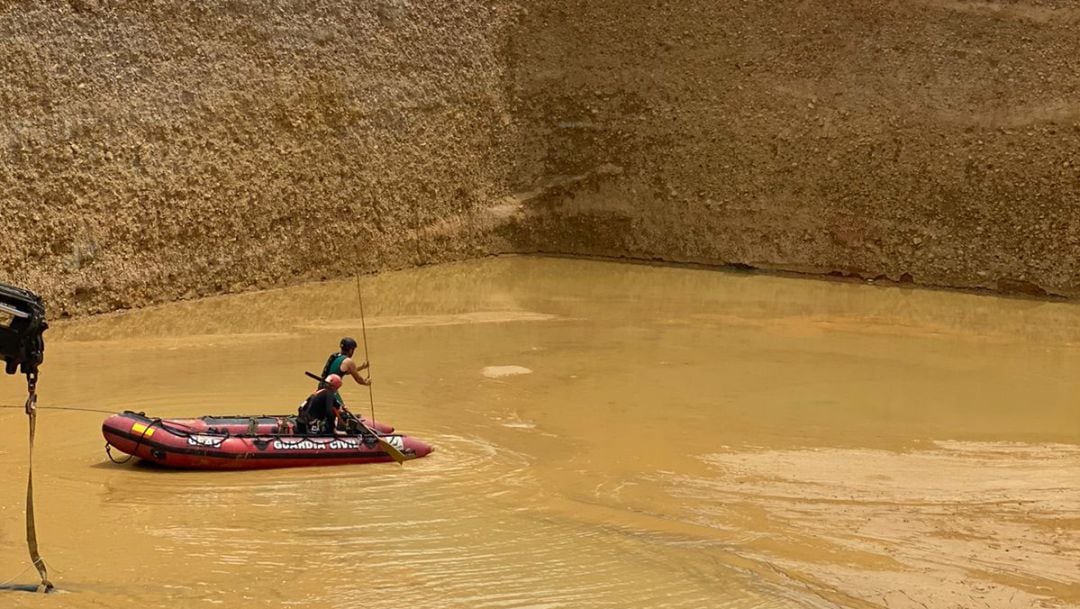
(31, 533)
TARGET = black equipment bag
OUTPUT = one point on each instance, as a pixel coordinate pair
(22, 322)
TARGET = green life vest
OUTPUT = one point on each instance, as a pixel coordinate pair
(333, 366)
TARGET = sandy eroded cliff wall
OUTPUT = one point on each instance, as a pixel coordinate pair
(151, 150)
(928, 140)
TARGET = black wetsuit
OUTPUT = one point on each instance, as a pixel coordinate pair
(321, 407)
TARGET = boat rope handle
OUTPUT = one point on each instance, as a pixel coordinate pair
(108, 453)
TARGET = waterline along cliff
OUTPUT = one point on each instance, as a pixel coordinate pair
(153, 151)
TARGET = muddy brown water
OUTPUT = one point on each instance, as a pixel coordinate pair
(607, 436)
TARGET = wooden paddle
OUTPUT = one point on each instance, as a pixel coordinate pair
(387, 447)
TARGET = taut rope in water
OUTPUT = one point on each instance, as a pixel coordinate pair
(71, 408)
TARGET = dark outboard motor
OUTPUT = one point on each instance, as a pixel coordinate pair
(22, 322)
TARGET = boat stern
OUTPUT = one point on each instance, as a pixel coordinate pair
(417, 448)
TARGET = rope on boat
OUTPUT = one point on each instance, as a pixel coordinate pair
(176, 429)
(108, 453)
(362, 431)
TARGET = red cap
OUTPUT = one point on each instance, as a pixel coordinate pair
(333, 381)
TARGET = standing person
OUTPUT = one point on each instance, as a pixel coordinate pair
(319, 413)
(342, 363)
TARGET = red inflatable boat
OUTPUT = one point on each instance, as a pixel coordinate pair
(247, 443)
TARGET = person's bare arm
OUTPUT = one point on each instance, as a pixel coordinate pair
(349, 366)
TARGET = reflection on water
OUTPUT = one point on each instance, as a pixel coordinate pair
(608, 436)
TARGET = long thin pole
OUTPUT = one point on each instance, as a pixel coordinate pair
(367, 357)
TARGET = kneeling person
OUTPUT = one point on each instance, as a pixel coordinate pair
(319, 413)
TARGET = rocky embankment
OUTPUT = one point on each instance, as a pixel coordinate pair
(933, 141)
(159, 150)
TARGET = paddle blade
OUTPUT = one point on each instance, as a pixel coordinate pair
(392, 450)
